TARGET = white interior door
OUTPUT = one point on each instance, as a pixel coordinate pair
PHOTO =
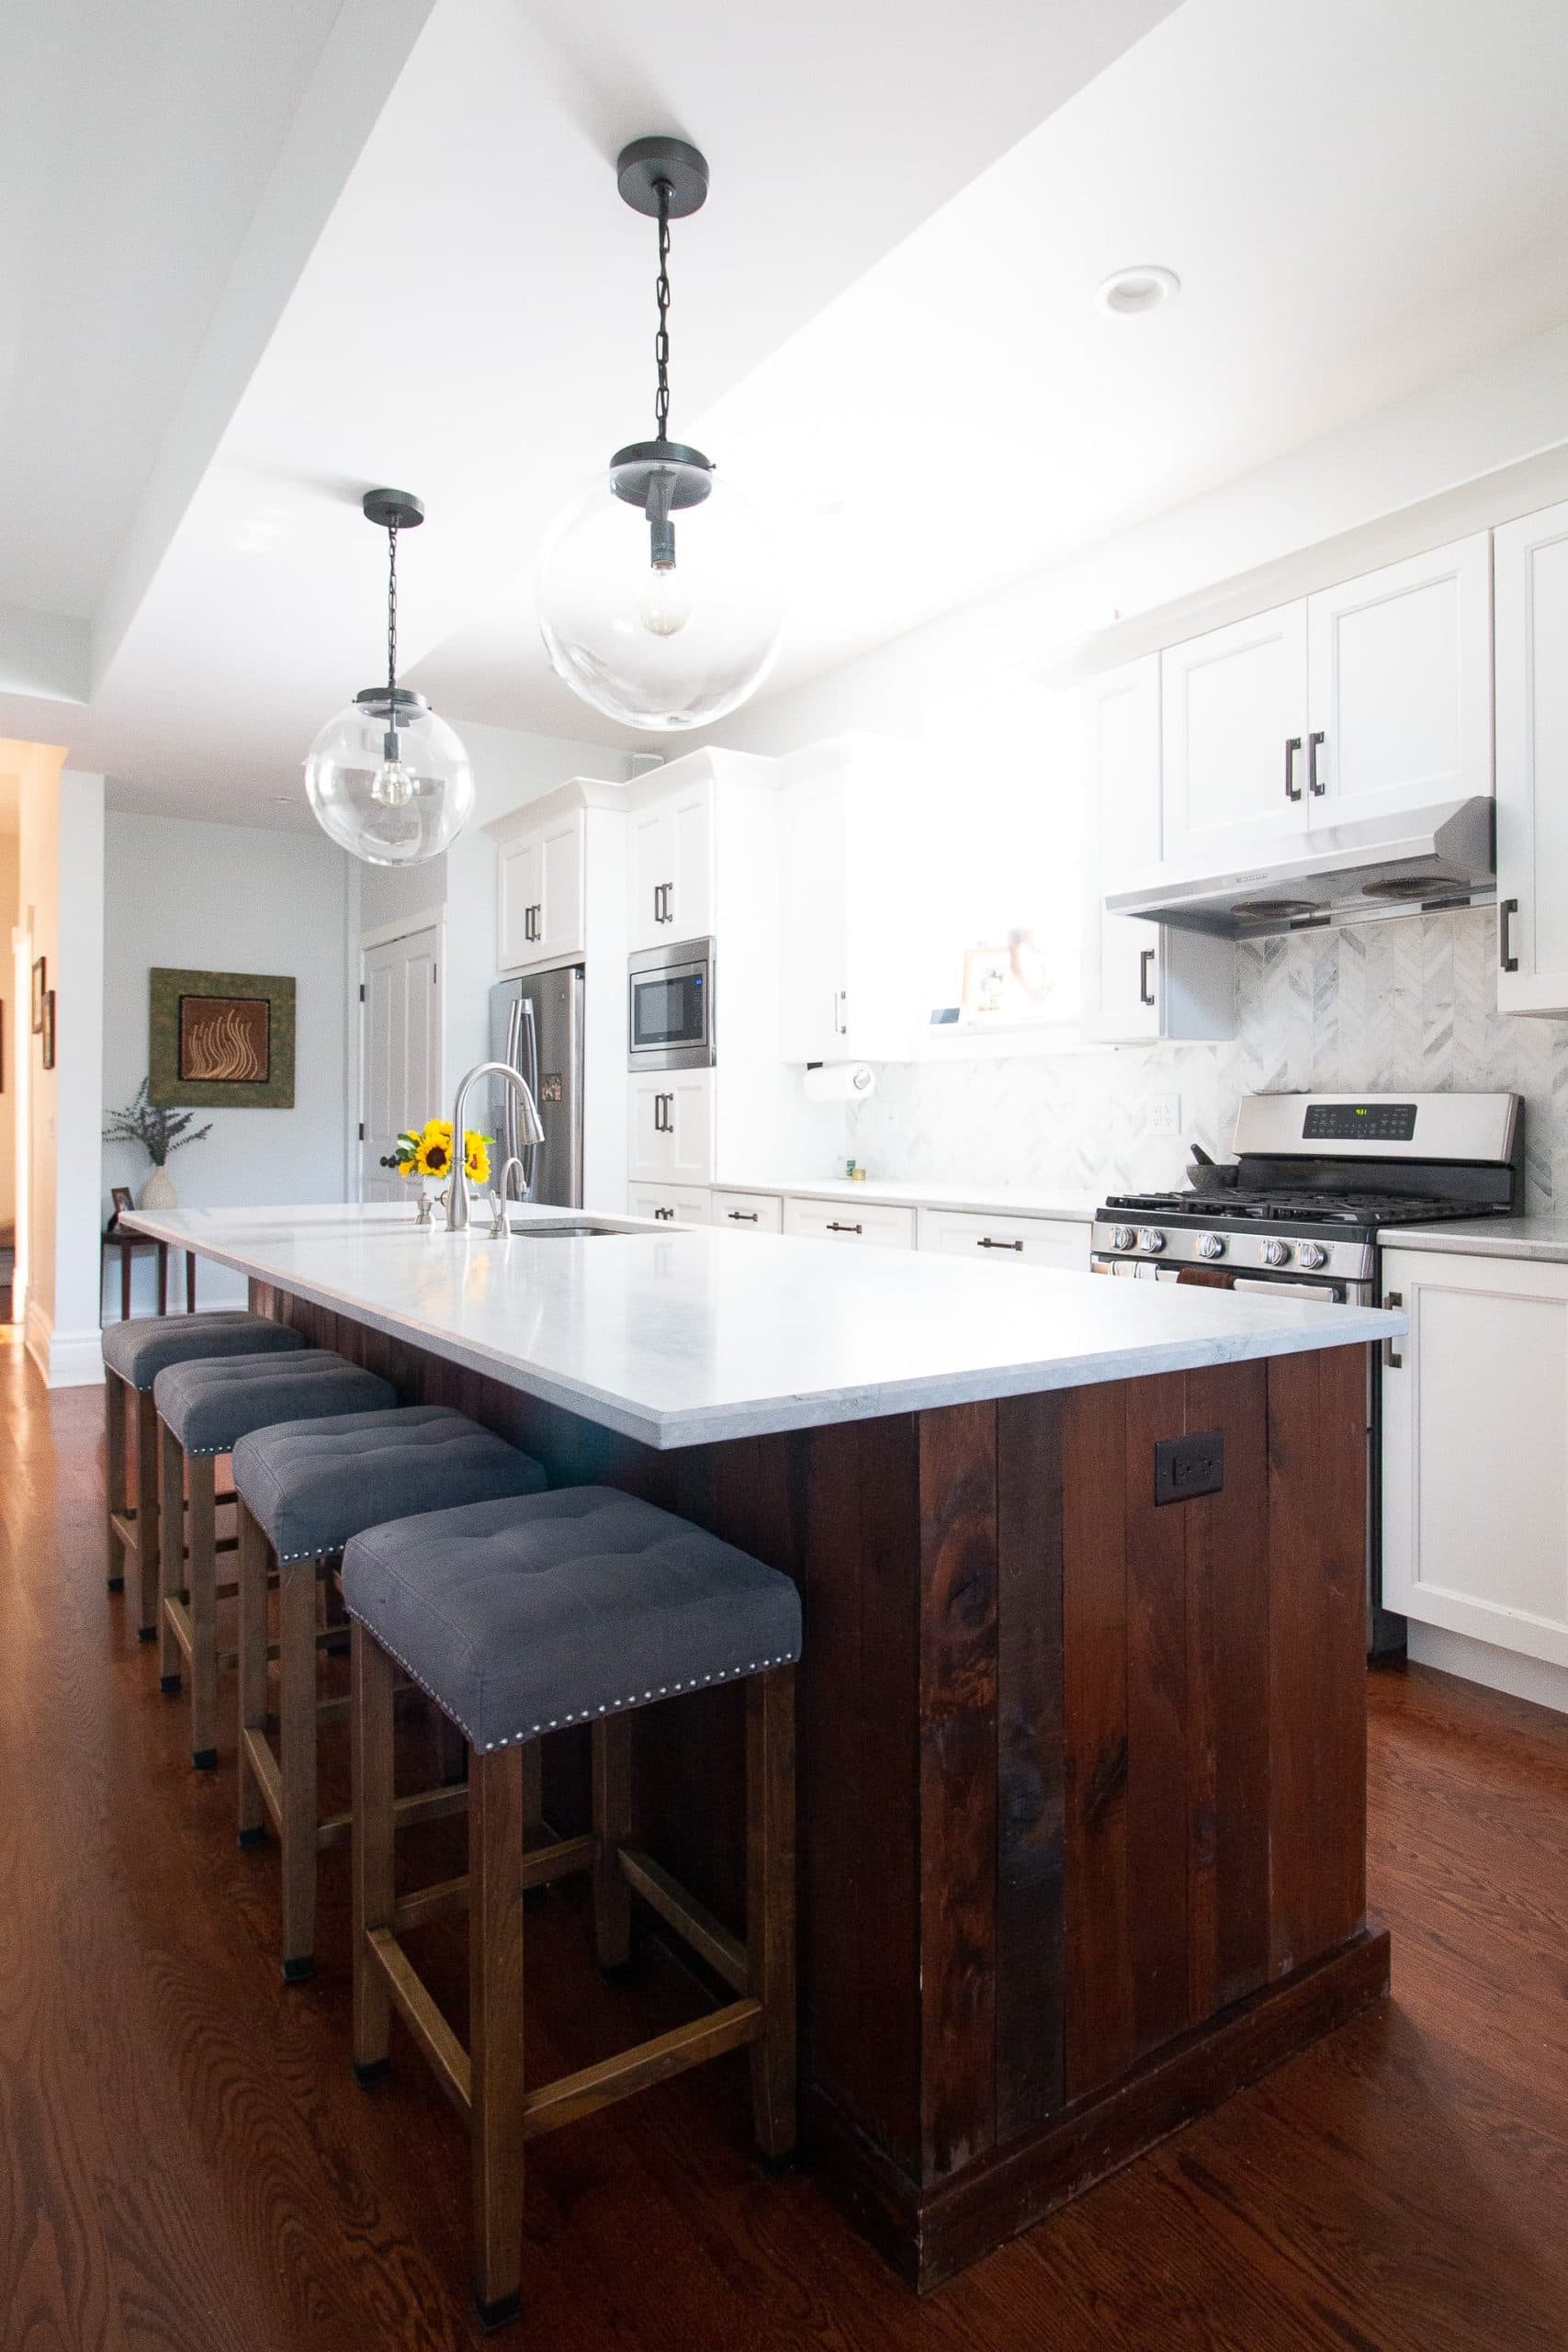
(402, 1013)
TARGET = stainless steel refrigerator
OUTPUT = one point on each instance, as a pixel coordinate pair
(535, 1024)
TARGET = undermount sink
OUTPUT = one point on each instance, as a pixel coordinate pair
(574, 1232)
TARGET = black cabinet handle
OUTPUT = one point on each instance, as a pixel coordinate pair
(661, 892)
(1395, 1362)
(664, 1216)
(986, 1243)
(1506, 910)
(1146, 972)
(1292, 789)
(843, 1229)
(663, 1124)
(1314, 787)
(741, 1217)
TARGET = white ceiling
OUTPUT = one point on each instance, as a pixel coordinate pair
(892, 284)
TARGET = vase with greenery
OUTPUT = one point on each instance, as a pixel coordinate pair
(159, 1132)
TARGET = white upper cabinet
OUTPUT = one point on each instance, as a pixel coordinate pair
(1399, 680)
(1141, 982)
(1235, 727)
(541, 914)
(671, 866)
(1532, 764)
(1366, 699)
(855, 841)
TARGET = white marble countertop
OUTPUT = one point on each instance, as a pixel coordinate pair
(685, 1335)
(1077, 1208)
(1543, 1238)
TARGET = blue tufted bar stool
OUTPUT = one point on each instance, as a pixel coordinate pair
(305, 1488)
(204, 1408)
(516, 1617)
(134, 1355)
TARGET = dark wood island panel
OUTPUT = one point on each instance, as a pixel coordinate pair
(1082, 1776)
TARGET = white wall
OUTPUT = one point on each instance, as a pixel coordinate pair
(230, 898)
(59, 892)
(15, 1018)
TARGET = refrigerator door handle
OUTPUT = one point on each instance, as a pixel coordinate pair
(530, 1156)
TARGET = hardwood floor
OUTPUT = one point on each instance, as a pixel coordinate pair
(184, 2162)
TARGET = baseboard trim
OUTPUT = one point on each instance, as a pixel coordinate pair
(1510, 1671)
(64, 1359)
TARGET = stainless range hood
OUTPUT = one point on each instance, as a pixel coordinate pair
(1441, 856)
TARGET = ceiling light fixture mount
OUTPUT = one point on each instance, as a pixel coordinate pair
(1133, 292)
(657, 642)
(388, 781)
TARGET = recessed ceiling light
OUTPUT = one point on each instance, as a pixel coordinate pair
(1128, 293)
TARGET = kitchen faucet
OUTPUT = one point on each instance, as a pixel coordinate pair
(533, 1132)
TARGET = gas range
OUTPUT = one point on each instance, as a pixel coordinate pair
(1318, 1176)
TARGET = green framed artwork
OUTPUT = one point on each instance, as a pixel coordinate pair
(221, 1040)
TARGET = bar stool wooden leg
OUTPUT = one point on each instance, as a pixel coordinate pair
(201, 1578)
(611, 1752)
(118, 1495)
(495, 2028)
(146, 1515)
(533, 1795)
(769, 1904)
(171, 1552)
(370, 1738)
(251, 1573)
(297, 1746)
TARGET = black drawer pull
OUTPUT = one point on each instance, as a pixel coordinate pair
(1292, 789)
(741, 1217)
(986, 1243)
(834, 1227)
(1391, 1358)
(1507, 961)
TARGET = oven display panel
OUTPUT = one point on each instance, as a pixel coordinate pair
(1359, 1122)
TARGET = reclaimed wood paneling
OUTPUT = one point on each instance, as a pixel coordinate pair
(1094, 1681)
(1030, 1915)
(1317, 1416)
(958, 1785)
(1156, 1719)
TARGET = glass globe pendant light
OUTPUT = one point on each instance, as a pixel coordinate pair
(661, 594)
(387, 779)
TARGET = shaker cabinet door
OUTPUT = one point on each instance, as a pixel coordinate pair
(1475, 1450)
(1234, 712)
(1532, 764)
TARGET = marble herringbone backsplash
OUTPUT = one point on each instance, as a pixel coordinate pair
(1406, 1003)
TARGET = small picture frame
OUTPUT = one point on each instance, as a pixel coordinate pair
(49, 1029)
(986, 973)
(123, 1199)
(41, 982)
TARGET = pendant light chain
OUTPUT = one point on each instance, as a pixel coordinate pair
(391, 608)
(662, 340)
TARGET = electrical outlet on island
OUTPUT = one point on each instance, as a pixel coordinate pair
(1165, 1114)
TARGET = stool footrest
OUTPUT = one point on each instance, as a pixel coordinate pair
(573, 2096)
(422, 2018)
(708, 1937)
(541, 1866)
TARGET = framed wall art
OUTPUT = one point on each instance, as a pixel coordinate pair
(221, 1040)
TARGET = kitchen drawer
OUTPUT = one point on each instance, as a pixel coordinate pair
(748, 1211)
(669, 1204)
(893, 1228)
(1007, 1240)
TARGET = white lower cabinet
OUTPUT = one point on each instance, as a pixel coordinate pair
(1007, 1240)
(670, 1133)
(1475, 1450)
(893, 1228)
(748, 1211)
(670, 1204)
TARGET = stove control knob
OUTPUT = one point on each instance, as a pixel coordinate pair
(1150, 1237)
(1276, 1253)
(1123, 1238)
(1312, 1254)
(1211, 1245)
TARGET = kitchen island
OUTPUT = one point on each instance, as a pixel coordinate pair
(1082, 1736)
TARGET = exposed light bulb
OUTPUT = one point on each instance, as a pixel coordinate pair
(664, 608)
(392, 787)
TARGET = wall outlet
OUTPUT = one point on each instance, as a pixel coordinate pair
(1165, 1114)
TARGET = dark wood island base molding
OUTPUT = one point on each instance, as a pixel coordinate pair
(927, 2239)
(1081, 1774)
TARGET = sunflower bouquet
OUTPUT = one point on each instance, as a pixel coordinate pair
(427, 1151)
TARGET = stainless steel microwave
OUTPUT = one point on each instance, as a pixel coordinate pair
(670, 1009)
